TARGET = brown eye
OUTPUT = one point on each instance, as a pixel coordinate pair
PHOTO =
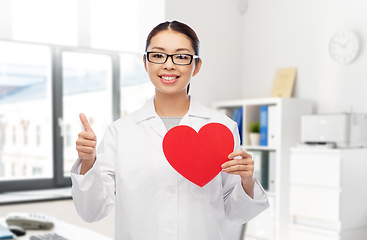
(157, 55)
(182, 56)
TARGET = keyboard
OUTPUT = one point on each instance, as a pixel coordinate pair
(50, 236)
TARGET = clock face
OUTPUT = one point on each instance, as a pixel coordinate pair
(344, 47)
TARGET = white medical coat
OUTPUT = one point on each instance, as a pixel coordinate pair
(153, 201)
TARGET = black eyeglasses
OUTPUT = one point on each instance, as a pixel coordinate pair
(178, 59)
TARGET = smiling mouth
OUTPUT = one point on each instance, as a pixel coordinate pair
(168, 78)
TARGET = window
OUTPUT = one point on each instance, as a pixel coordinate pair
(44, 87)
(38, 137)
(24, 170)
(13, 167)
(87, 88)
(14, 135)
(2, 134)
(25, 135)
(68, 136)
(37, 171)
(30, 98)
(25, 87)
(136, 88)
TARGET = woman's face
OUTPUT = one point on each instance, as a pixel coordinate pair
(169, 78)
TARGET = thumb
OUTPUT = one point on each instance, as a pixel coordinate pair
(85, 122)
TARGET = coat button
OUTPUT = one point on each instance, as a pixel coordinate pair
(171, 190)
(171, 228)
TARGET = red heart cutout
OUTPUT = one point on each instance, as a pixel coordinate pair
(198, 156)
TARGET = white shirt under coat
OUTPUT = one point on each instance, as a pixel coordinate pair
(152, 200)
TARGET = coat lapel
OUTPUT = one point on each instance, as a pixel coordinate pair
(158, 126)
(148, 112)
(197, 115)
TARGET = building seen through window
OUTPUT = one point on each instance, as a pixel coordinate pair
(25, 102)
(136, 88)
(38, 137)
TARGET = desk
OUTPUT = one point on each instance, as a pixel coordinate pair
(35, 196)
(64, 229)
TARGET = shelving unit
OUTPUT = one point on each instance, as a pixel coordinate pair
(274, 222)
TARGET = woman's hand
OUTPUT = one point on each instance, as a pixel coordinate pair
(241, 163)
(86, 145)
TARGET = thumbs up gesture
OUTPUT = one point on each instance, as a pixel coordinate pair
(87, 141)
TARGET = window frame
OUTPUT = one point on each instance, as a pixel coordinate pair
(59, 180)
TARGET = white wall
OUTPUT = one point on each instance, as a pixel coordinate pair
(286, 33)
(219, 25)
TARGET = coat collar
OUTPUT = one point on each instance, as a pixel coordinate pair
(147, 112)
(196, 109)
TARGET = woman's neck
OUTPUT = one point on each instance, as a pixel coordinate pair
(175, 105)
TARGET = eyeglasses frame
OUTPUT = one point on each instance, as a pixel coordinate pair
(171, 55)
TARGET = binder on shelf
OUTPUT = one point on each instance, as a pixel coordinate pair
(272, 162)
(272, 125)
(237, 117)
(261, 167)
(239, 122)
(235, 114)
(264, 125)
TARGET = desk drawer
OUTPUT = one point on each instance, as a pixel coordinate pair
(316, 169)
(315, 202)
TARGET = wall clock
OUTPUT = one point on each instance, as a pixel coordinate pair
(344, 46)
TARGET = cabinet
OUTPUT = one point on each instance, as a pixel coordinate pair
(286, 120)
(327, 194)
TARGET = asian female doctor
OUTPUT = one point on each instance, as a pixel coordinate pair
(129, 170)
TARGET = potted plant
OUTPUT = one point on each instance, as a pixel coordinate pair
(255, 133)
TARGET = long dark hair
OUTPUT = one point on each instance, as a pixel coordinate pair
(180, 28)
